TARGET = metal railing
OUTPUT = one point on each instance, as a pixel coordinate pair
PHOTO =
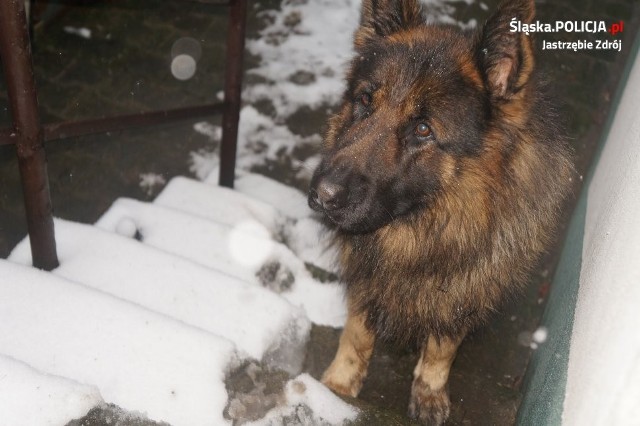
(28, 133)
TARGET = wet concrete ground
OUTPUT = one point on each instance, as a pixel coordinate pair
(122, 69)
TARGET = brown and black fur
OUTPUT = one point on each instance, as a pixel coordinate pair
(443, 174)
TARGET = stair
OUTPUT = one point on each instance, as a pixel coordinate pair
(280, 209)
(22, 388)
(138, 359)
(156, 301)
(174, 286)
(235, 234)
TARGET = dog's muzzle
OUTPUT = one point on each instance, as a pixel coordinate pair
(328, 197)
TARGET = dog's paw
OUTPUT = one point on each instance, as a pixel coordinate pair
(343, 384)
(427, 406)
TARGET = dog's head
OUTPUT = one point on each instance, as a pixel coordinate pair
(420, 100)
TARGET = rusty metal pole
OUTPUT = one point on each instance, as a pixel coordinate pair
(15, 51)
(232, 89)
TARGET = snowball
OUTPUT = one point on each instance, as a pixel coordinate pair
(126, 227)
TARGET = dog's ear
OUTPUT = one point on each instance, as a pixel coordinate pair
(506, 57)
(380, 18)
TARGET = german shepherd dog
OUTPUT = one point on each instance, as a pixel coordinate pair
(443, 173)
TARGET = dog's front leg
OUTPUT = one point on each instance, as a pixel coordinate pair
(429, 394)
(349, 367)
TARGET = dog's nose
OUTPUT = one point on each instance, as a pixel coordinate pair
(330, 196)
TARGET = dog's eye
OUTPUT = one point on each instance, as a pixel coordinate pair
(365, 99)
(422, 130)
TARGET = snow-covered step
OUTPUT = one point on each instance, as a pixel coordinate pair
(29, 397)
(287, 200)
(241, 251)
(261, 323)
(138, 359)
(280, 209)
(219, 204)
(245, 251)
(323, 406)
(306, 236)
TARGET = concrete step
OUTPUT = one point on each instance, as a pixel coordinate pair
(202, 274)
(262, 324)
(31, 397)
(282, 210)
(138, 359)
(307, 237)
(240, 251)
(245, 250)
(287, 200)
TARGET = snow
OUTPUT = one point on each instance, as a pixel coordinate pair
(218, 204)
(260, 133)
(312, 37)
(287, 200)
(149, 182)
(207, 129)
(29, 397)
(242, 247)
(306, 236)
(239, 251)
(140, 360)
(256, 320)
(305, 391)
(280, 209)
(127, 228)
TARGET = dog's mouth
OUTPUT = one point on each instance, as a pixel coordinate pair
(335, 219)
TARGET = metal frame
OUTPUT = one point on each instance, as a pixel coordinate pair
(28, 134)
